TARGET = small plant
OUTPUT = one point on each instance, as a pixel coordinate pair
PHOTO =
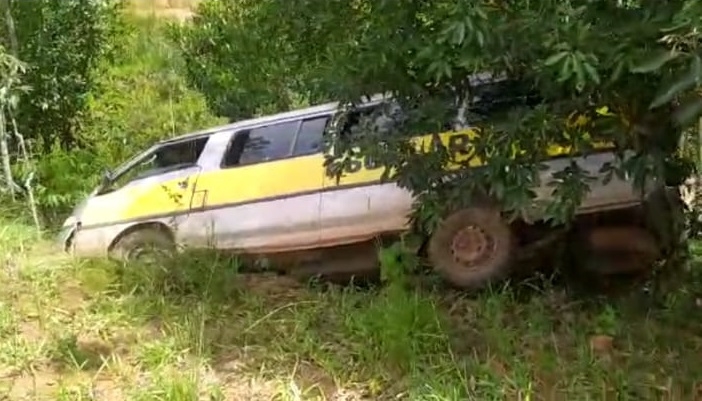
(607, 322)
(396, 264)
(69, 353)
(81, 392)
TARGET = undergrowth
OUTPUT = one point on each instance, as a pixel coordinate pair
(200, 328)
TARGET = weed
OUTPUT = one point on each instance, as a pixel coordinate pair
(202, 329)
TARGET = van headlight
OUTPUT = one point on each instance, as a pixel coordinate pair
(74, 218)
(70, 221)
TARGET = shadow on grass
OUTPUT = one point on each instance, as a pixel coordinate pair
(431, 343)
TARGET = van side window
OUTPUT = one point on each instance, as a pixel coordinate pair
(353, 120)
(494, 99)
(261, 144)
(180, 154)
(311, 136)
(163, 159)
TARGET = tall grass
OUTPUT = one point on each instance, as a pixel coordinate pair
(199, 328)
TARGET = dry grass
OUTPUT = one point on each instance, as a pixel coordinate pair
(91, 330)
(163, 4)
(171, 9)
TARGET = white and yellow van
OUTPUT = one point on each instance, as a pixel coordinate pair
(259, 186)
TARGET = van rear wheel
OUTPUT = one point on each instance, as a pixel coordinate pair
(147, 245)
(472, 248)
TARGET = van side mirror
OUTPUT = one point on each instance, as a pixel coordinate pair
(106, 178)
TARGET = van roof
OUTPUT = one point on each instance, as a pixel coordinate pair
(326, 107)
(322, 108)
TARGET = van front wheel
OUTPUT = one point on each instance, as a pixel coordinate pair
(143, 245)
(472, 248)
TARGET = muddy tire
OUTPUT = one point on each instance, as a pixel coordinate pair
(618, 250)
(472, 248)
(143, 245)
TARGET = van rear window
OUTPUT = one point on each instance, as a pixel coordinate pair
(311, 137)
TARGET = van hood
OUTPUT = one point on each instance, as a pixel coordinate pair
(74, 218)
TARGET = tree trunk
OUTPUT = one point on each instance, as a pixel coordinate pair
(10, 22)
(699, 146)
(4, 151)
(5, 154)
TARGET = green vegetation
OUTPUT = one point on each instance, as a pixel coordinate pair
(638, 58)
(131, 95)
(124, 83)
(90, 330)
(101, 84)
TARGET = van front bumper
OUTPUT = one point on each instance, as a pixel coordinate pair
(78, 241)
(65, 237)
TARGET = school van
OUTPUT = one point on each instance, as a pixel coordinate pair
(259, 187)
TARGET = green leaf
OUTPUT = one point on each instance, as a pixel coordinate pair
(686, 82)
(579, 71)
(459, 33)
(696, 68)
(688, 112)
(655, 62)
(592, 72)
(566, 70)
(480, 38)
(555, 58)
(617, 73)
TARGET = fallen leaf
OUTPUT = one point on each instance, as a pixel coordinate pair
(601, 344)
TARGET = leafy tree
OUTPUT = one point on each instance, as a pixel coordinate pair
(240, 65)
(139, 98)
(102, 87)
(144, 97)
(64, 44)
(580, 71)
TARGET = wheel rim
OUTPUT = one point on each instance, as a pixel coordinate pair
(146, 254)
(472, 246)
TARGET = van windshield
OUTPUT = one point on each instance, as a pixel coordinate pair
(160, 159)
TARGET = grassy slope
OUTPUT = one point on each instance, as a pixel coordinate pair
(88, 330)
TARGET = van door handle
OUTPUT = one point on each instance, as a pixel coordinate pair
(183, 184)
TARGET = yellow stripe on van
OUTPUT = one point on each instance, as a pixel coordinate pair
(424, 144)
(250, 183)
(263, 180)
(141, 200)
